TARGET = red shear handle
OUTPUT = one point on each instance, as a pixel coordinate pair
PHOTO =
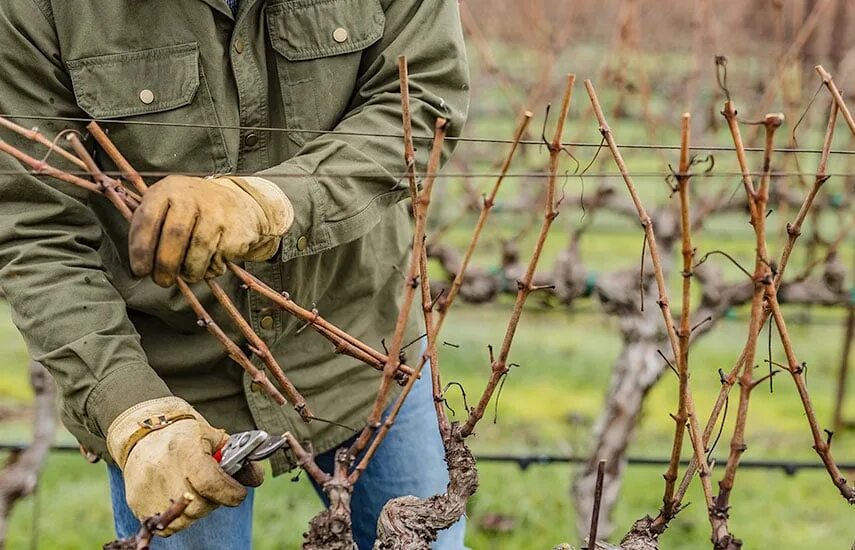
(218, 454)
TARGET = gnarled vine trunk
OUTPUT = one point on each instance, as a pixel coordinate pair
(410, 523)
(20, 476)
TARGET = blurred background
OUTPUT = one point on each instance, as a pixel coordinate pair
(589, 382)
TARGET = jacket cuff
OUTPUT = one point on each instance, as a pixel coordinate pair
(121, 390)
(308, 234)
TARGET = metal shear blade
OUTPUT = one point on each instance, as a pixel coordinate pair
(272, 444)
(248, 446)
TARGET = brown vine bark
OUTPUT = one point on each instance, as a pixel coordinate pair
(410, 523)
(151, 525)
(19, 477)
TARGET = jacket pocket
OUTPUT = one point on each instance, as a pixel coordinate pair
(135, 83)
(319, 46)
(168, 121)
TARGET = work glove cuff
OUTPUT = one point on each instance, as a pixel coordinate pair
(275, 205)
(145, 418)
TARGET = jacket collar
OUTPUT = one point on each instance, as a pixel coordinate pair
(220, 6)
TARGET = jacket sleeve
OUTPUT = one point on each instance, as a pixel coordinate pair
(72, 318)
(330, 211)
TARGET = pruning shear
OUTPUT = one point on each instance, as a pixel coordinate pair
(244, 447)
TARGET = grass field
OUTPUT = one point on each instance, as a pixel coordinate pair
(547, 407)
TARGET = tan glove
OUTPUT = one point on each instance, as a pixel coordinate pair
(164, 449)
(191, 226)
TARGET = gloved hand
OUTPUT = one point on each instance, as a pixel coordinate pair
(191, 226)
(164, 449)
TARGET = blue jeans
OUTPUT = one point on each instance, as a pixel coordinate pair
(411, 461)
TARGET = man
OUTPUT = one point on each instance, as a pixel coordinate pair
(293, 106)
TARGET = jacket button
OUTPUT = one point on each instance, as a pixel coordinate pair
(267, 322)
(251, 139)
(147, 96)
(340, 35)
(239, 45)
(302, 243)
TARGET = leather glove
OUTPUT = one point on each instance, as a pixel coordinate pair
(164, 449)
(191, 226)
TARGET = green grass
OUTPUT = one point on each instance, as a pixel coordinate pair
(547, 406)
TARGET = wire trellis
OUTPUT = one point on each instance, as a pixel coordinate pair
(398, 137)
(789, 466)
(445, 175)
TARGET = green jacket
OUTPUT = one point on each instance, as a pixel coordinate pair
(184, 86)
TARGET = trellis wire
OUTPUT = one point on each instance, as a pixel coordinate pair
(790, 467)
(486, 140)
(374, 175)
